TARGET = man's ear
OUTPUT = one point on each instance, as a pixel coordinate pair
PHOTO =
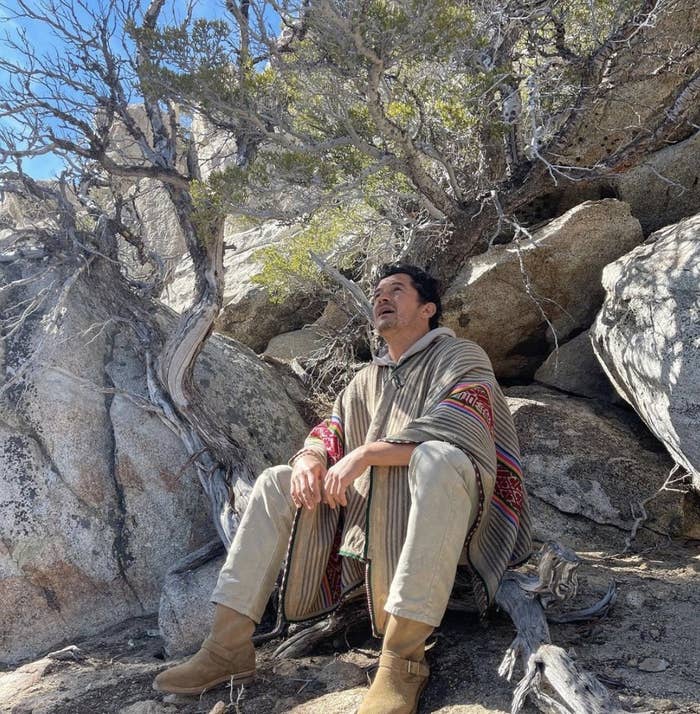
(429, 309)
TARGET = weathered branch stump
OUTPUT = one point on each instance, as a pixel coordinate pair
(525, 599)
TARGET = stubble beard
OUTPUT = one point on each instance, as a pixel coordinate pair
(384, 324)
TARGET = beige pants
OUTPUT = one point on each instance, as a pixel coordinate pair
(444, 498)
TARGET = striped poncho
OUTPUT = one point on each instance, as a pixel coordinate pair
(444, 389)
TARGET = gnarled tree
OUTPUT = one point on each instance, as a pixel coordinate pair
(416, 125)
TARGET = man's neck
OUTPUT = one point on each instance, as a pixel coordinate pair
(398, 345)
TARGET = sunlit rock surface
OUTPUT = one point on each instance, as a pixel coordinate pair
(647, 336)
(588, 465)
(503, 298)
(248, 314)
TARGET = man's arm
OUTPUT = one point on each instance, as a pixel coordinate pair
(354, 464)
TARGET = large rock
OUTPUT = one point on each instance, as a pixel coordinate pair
(249, 315)
(339, 324)
(297, 343)
(161, 230)
(215, 149)
(635, 93)
(97, 496)
(662, 190)
(501, 298)
(185, 612)
(665, 188)
(574, 368)
(157, 221)
(587, 465)
(647, 336)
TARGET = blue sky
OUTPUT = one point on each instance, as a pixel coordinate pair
(41, 167)
(40, 36)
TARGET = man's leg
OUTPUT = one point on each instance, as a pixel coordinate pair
(259, 546)
(242, 591)
(444, 500)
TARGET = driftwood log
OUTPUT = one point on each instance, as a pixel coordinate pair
(551, 679)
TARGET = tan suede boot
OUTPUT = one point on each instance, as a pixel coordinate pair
(403, 671)
(226, 655)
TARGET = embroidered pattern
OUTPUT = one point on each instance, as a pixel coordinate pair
(474, 400)
(508, 495)
(329, 433)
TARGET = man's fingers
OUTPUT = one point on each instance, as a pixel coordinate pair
(306, 487)
(314, 487)
(296, 494)
(314, 484)
(311, 486)
(334, 490)
(301, 496)
(327, 492)
(339, 493)
(342, 499)
(309, 490)
(306, 496)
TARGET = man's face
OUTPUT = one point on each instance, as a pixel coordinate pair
(397, 305)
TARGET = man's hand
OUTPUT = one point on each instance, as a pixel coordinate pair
(307, 474)
(341, 475)
(352, 466)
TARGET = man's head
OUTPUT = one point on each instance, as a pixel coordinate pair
(405, 296)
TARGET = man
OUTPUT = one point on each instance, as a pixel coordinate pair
(417, 466)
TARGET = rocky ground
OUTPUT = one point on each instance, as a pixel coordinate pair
(647, 650)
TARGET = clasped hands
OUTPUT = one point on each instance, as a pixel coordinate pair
(313, 483)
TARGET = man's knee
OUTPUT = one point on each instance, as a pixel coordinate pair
(439, 461)
(276, 479)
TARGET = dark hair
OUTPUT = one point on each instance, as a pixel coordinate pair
(427, 286)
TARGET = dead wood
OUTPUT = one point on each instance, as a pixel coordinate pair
(72, 653)
(525, 598)
(352, 614)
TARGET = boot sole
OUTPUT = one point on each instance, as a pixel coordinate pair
(240, 678)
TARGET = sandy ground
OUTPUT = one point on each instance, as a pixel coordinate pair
(646, 650)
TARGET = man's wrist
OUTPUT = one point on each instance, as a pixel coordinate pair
(364, 454)
(302, 453)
